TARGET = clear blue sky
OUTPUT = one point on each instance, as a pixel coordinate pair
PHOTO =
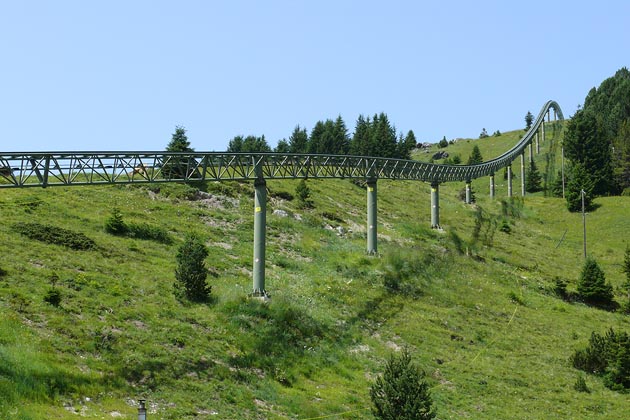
(120, 75)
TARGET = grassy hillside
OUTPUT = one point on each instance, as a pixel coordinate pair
(477, 311)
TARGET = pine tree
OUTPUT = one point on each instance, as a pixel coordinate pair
(529, 119)
(407, 145)
(303, 194)
(282, 147)
(475, 157)
(483, 134)
(592, 286)
(179, 141)
(443, 143)
(400, 392)
(298, 141)
(359, 145)
(341, 141)
(191, 271)
(579, 180)
(533, 179)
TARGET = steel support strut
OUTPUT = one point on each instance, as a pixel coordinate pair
(260, 221)
(372, 247)
(468, 194)
(435, 205)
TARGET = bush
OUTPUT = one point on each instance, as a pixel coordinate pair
(55, 235)
(443, 143)
(607, 356)
(400, 392)
(191, 271)
(592, 287)
(53, 296)
(580, 385)
(115, 223)
(303, 194)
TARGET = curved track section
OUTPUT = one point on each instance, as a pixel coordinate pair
(43, 169)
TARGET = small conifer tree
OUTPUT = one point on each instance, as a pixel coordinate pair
(115, 223)
(592, 286)
(533, 179)
(475, 156)
(191, 271)
(401, 392)
(626, 284)
(303, 194)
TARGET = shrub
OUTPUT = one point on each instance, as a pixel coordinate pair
(53, 296)
(592, 286)
(148, 232)
(400, 392)
(115, 223)
(443, 143)
(55, 235)
(580, 385)
(303, 194)
(608, 356)
(3, 272)
(191, 271)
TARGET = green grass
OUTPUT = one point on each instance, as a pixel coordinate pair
(478, 315)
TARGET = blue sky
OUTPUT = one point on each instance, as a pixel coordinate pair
(120, 75)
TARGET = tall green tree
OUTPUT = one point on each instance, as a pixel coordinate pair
(177, 166)
(298, 141)
(626, 284)
(585, 144)
(191, 272)
(407, 145)
(383, 137)
(621, 155)
(360, 142)
(282, 147)
(529, 119)
(475, 156)
(401, 392)
(578, 180)
(249, 144)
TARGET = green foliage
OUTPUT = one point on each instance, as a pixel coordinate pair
(401, 392)
(556, 185)
(496, 133)
(55, 235)
(191, 271)
(475, 157)
(533, 180)
(115, 223)
(249, 144)
(579, 180)
(179, 141)
(592, 286)
(580, 385)
(483, 134)
(529, 119)
(298, 141)
(53, 296)
(282, 147)
(607, 356)
(626, 284)
(443, 143)
(303, 194)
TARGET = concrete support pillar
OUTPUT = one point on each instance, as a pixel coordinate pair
(537, 144)
(372, 247)
(435, 205)
(523, 174)
(491, 185)
(509, 180)
(555, 115)
(260, 222)
(548, 116)
(542, 126)
(468, 192)
(531, 152)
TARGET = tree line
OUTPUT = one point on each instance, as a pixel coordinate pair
(597, 143)
(375, 136)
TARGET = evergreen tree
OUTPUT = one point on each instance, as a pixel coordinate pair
(179, 141)
(585, 144)
(303, 194)
(249, 144)
(400, 392)
(176, 166)
(533, 179)
(298, 141)
(475, 157)
(383, 137)
(315, 141)
(407, 145)
(592, 286)
(579, 180)
(341, 140)
(556, 186)
(360, 143)
(483, 134)
(529, 119)
(115, 223)
(191, 271)
(443, 143)
(282, 147)
(235, 145)
(621, 147)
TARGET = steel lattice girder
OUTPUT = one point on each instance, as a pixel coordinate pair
(42, 169)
